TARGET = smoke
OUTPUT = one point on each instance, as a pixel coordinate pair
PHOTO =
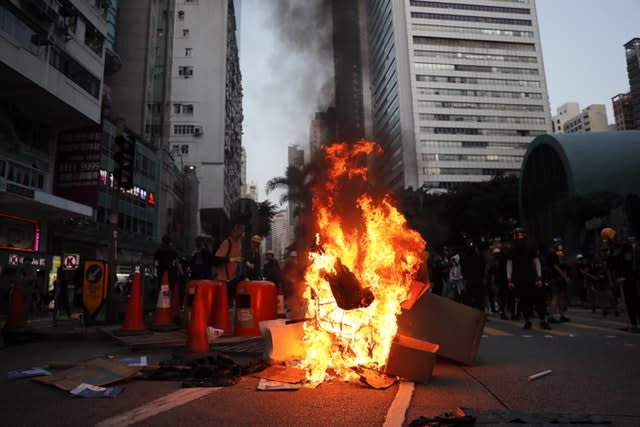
(304, 28)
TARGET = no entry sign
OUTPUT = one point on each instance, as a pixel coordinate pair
(70, 261)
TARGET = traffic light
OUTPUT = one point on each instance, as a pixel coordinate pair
(124, 161)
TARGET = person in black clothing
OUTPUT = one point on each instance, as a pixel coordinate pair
(201, 261)
(626, 270)
(252, 266)
(61, 297)
(166, 260)
(271, 269)
(473, 271)
(524, 273)
(558, 271)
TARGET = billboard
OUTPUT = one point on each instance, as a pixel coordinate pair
(19, 234)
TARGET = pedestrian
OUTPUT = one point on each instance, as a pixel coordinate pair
(201, 261)
(558, 272)
(253, 263)
(441, 272)
(524, 272)
(167, 261)
(228, 257)
(473, 271)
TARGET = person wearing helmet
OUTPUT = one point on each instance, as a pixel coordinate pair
(524, 274)
(252, 266)
(559, 280)
(228, 257)
(271, 269)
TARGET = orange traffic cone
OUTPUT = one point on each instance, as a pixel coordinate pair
(220, 312)
(197, 341)
(175, 305)
(162, 317)
(16, 317)
(280, 304)
(133, 320)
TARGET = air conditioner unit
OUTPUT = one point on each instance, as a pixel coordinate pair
(197, 131)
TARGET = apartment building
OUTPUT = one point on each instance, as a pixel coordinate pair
(563, 113)
(591, 119)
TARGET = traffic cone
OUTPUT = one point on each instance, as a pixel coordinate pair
(162, 317)
(175, 305)
(16, 317)
(220, 313)
(280, 304)
(133, 320)
(197, 341)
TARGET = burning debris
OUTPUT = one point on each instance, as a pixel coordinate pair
(347, 289)
(354, 285)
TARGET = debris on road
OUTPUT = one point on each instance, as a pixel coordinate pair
(27, 373)
(283, 374)
(268, 385)
(134, 361)
(539, 374)
(99, 371)
(88, 390)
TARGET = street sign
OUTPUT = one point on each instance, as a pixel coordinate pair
(94, 287)
(13, 259)
(71, 261)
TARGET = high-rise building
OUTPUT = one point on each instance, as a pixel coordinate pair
(632, 50)
(280, 234)
(322, 131)
(564, 112)
(591, 119)
(350, 53)
(622, 111)
(458, 89)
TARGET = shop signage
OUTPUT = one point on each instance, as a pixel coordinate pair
(94, 287)
(71, 261)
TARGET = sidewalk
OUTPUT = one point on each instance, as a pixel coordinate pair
(41, 327)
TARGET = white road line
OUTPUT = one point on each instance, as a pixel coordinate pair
(397, 410)
(170, 401)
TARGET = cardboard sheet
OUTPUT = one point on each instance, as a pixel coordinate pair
(97, 372)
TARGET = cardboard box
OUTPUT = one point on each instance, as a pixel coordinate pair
(455, 327)
(411, 359)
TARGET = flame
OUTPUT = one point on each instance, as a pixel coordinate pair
(372, 239)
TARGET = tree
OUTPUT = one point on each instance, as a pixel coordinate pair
(266, 212)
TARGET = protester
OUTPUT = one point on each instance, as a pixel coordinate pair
(201, 262)
(473, 271)
(524, 273)
(454, 288)
(61, 297)
(228, 257)
(271, 269)
(252, 265)
(626, 273)
(166, 261)
(558, 271)
(27, 280)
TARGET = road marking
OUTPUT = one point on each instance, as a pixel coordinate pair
(496, 332)
(603, 329)
(397, 410)
(170, 401)
(553, 332)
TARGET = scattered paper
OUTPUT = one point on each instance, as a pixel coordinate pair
(27, 373)
(88, 390)
(268, 385)
(134, 361)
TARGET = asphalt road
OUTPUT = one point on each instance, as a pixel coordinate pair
(595, 370)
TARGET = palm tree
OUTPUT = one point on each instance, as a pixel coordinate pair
(266, 212)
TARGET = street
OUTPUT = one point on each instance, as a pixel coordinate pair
(594, 368)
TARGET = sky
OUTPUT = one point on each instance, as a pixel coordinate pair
(285, 59)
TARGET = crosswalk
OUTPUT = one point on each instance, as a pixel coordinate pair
(582, 323)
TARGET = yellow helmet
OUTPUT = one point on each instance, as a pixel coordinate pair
(256, 239)
(607, 233)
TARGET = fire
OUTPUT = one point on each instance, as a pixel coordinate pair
(371, 238)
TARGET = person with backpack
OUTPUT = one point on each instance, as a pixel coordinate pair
(228, 257)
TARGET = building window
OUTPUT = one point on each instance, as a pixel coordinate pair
(183, 109)
(93, 38)
(187, 51)
(181, 15)
(185, 33)
(175, 149)
(183, 129)
(184, 149)
(185, 71)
